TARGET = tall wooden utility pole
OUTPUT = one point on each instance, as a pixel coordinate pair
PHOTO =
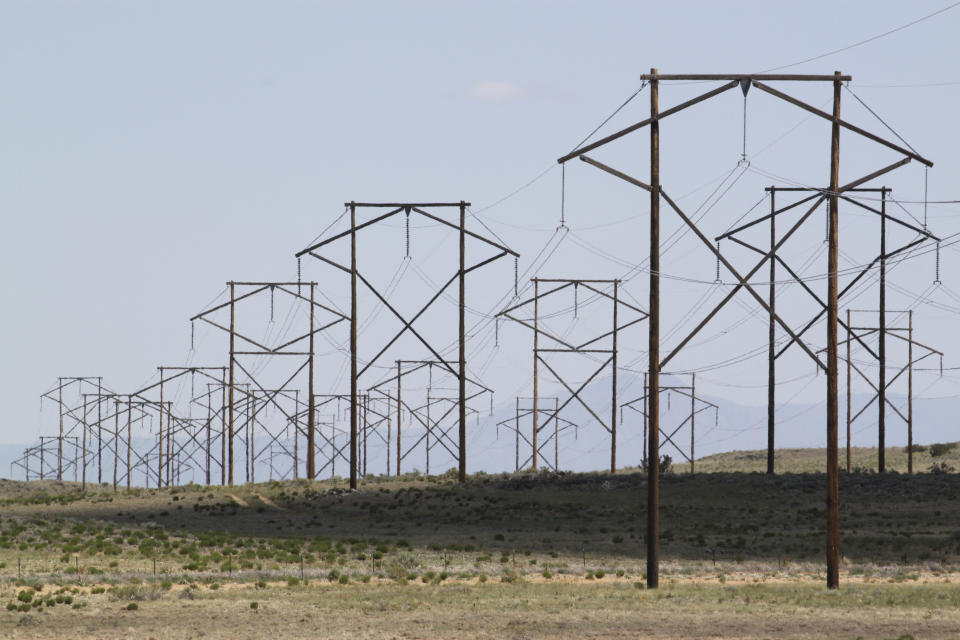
(230, 419)
(882, 386)
(224, 424)
(613, 368)
(536, 370)
(399, 412)
(353, 346)
(772, 350)
(833, 473)
(910, 393)
(653, 432)
(849, 394)
(462, 367)
(160, 435)
(60, 438)
(311, 401)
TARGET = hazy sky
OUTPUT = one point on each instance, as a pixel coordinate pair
(152, 151)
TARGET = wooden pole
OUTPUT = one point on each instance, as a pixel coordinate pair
(429, 429)
(833, 479)
(160, 436)
(645, 419)
(693, 419)
(83, 481)
(171, 459)
(613, 398)
(230, 390)
(556, 434)
(223, 426)
(771, 353)
(116, 441)
(129, 439)
(516, 440)
(251, 421)
(399, 412)
(910, 395)
(99, 432)
(849, 394)
(60, 438)
(882, 386)
(462, 370)
(389, 434)
(206, 475)
(311, 401)
(653, 321)
(366, 427)
(353, 346)
(536, 368)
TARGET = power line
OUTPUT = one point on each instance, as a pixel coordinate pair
(909, 86)
(867, 41)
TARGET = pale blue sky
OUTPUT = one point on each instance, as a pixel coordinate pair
(151, 151)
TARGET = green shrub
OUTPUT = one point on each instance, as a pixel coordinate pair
(546, 574)
(942, 448)
(254, 605)
(344, 579)
(25, 596)
(510, 576)
(133, 606)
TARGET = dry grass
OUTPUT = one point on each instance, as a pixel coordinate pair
(515, 556)
(498, 610)
(863, 459)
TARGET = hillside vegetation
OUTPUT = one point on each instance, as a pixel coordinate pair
(526, 555)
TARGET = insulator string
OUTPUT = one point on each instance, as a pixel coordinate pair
(516, 275)
(743, 155)
(717, 280)
(937, 268)
(408, 233)
(563, 196)
(826, 225)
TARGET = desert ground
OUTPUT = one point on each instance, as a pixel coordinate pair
(528, 555)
